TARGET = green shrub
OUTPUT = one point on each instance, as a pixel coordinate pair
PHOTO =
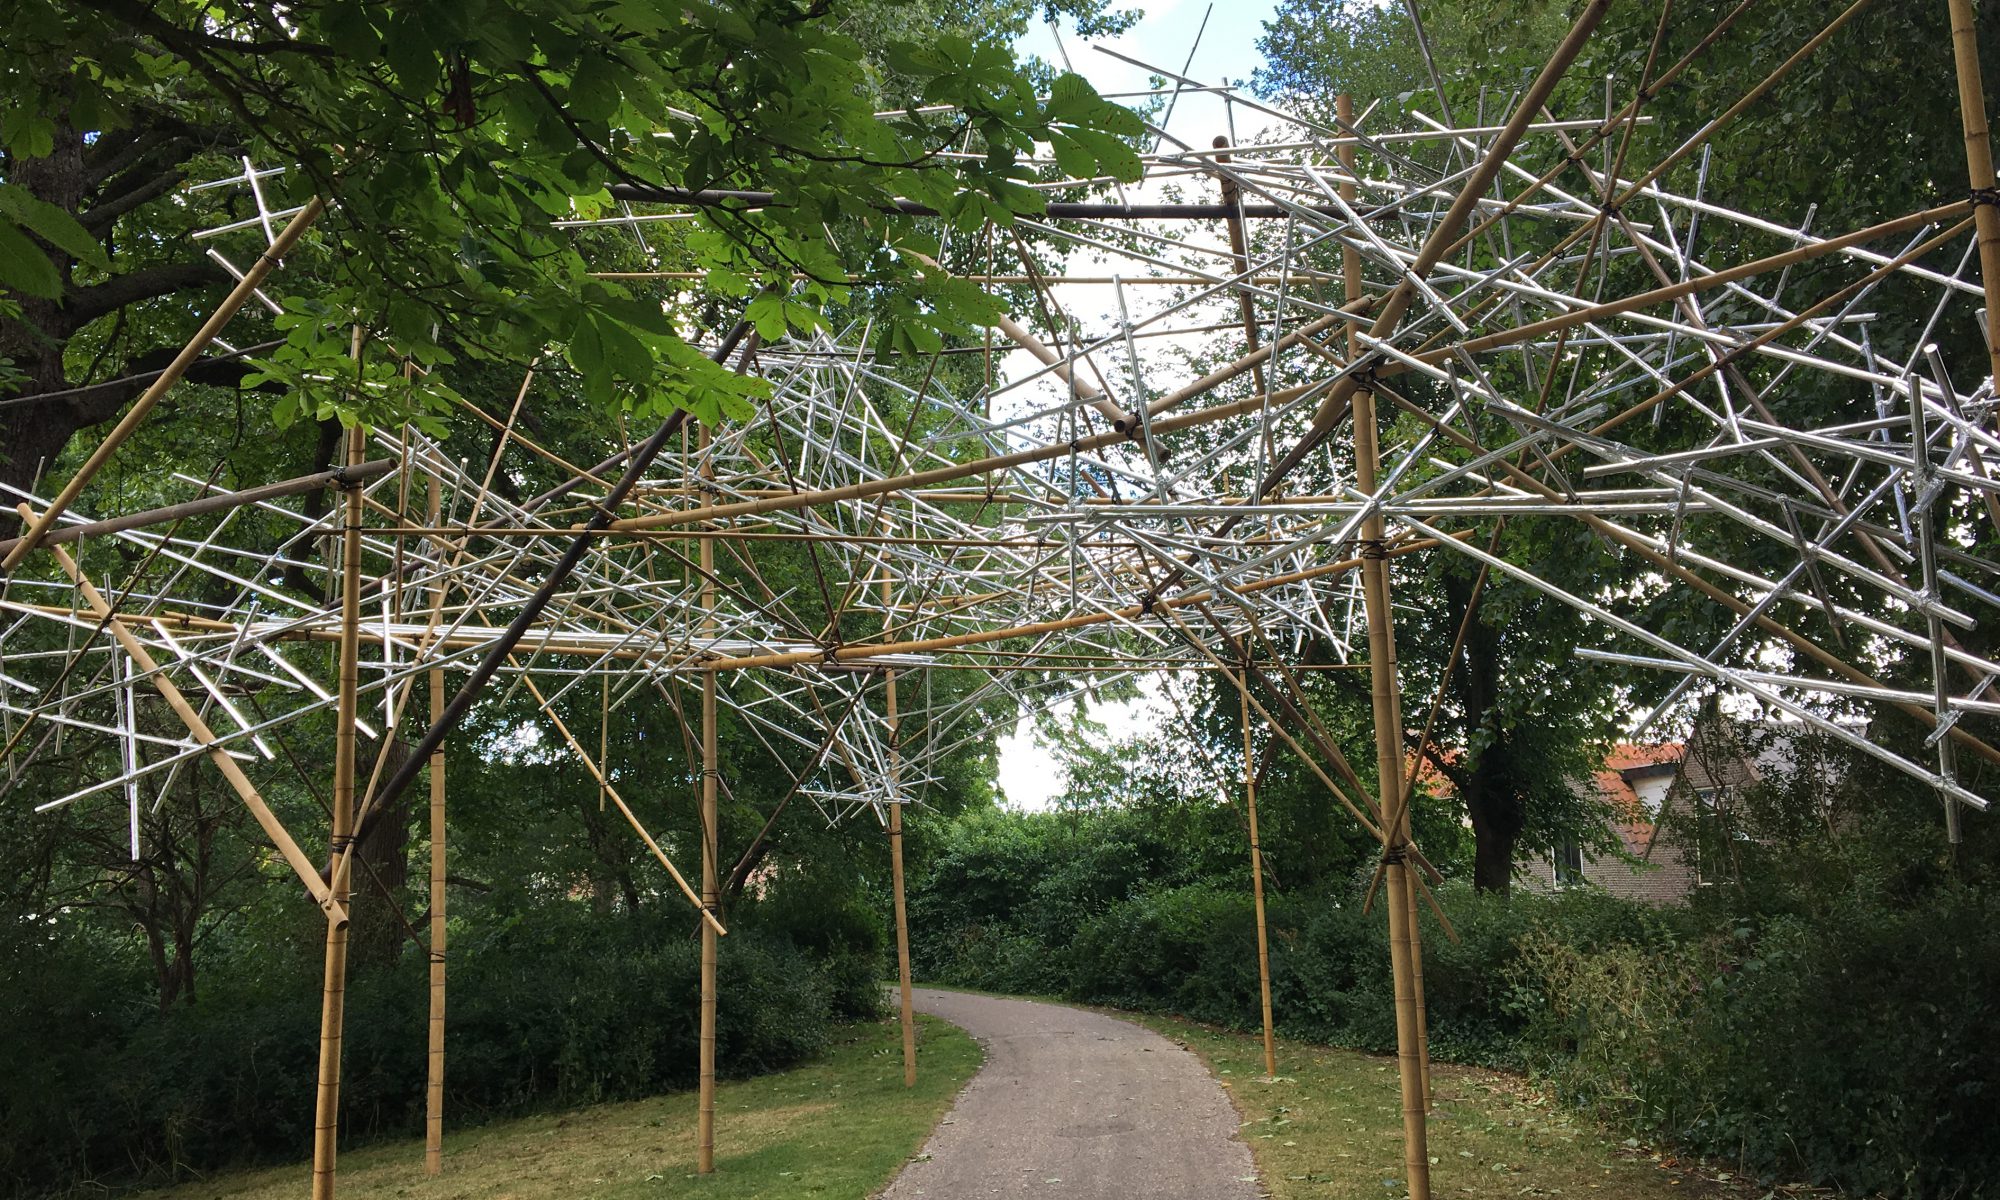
(845, 937)
(1858, 1049)
(561, 1007)
(1839, 1022)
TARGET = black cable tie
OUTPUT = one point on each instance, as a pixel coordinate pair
(1393, 856)
(1146, 603)
(1371, 548)
(1984, 196)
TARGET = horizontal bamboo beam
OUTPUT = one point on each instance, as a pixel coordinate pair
(1054, 210)
(366, 473)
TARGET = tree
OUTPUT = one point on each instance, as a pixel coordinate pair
(447, 138)
(1520, 716)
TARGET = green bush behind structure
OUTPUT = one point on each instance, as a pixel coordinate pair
(1847, 1032)
(556, 1008)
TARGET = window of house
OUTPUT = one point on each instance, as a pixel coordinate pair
(1569, 864)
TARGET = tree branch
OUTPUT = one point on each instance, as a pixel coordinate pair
(95, 404)
(97, 219)
(84, 305)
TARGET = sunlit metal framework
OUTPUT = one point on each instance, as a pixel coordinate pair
(1173, 462)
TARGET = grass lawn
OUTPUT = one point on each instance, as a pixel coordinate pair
(1329, 1127)
(839, 1128)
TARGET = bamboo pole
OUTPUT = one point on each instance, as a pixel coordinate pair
(288, 847)
(209, 331)
(907, 1004)
(906, 1007)
(333, 994)
(1411, 884)
(1389, 766)
(1978, 167)
(710, 885)
(434, 1085)
(1388, 715)
(220, 502)
(1257, 881)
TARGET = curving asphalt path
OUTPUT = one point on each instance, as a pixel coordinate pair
(1076, 1104)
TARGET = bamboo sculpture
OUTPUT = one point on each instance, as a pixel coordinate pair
(1013, 609)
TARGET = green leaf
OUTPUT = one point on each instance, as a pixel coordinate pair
(1073, 156)
(593, 89)
(27, 134)
(23, 266)
(1114, 157)
(1071, 98)
(767, 313)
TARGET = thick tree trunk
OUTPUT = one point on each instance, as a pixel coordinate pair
(376, 935)
(32, 435)
(1493, 845)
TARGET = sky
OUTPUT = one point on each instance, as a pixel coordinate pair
(1031, 777)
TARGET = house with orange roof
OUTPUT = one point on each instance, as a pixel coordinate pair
(1634, 783)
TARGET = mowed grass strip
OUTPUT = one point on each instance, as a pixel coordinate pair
(1330, 1127)
(840, 1128)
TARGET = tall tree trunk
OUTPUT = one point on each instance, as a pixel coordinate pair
(377, 933)
(1489, 783)
(32, 435)
(1496, 829)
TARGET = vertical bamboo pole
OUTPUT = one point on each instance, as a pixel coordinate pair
(710, 885)
(333, 994)
(1986, 221)
(1351, 265)
(1417, 980)
(1978, 167)
(1257, 873)
(908, 1008)
(434, 1087)
(1387, 709)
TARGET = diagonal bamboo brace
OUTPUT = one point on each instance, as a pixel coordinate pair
(199, 730)
(209, 331)
(604, 783)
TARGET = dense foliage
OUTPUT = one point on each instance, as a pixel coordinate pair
(1829, 1015)
(556, 1007)
(448, 139)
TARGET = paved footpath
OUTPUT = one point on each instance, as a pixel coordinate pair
(1072, 1105)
